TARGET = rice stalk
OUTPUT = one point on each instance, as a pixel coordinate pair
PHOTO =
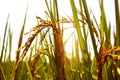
(2, 74)
(29, 71)
(90, 28)
(4, 39)
(58, 36)
(21, 37)
(14, 71)
(82, 42)
(10, 44)
(117, 16)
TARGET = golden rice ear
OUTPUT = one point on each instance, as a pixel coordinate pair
(27, 45)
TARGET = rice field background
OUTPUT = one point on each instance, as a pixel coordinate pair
(42, 56)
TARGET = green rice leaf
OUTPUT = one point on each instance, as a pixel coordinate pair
(4, 39)
(90, 28)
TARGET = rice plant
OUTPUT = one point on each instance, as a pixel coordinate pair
(48, 60)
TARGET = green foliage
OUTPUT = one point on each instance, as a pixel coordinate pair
(42, 63)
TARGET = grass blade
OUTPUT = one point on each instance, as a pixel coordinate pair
(4, 39)
(90, 28)
(117, 22)
(81, 42)
(21, 36)
(29, 71)
(14, 71)
(10, 44)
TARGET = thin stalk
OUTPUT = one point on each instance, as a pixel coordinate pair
(29, 71)
(58, 41)
(90, 28)
(21, 36)
(4, 39)
(82, 43)
(14, 71)
(117, 23)
(10, 44)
